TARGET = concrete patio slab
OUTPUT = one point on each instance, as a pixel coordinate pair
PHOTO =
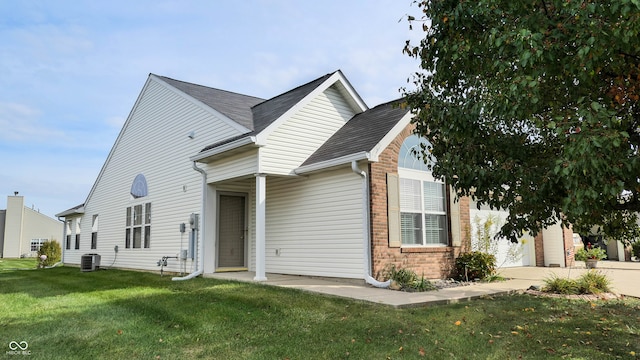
(625, 279)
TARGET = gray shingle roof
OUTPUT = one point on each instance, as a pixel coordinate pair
(74, 210)
(266, 112)
(361, 133)
(235, 106)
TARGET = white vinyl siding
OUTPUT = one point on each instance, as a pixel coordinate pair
(553, 246)
(234, 166)
(314, 225)
(21, 224)
(301, 135)
(154, 143)
(507, 254)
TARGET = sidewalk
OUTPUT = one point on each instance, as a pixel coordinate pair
(624, 278)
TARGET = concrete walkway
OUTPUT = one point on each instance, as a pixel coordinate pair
(625, 279)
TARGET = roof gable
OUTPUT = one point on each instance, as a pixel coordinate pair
(361, 134)
(236, 107)
(302, 95)
(268, 111)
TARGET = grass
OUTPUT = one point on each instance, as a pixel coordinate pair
(63, 313)
(12, 264)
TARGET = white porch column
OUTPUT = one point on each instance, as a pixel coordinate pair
(261, 192)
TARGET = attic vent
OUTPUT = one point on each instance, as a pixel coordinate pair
(89, 262)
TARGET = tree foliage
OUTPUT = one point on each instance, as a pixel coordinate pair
(533, 106)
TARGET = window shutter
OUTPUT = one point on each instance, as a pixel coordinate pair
(393, 210)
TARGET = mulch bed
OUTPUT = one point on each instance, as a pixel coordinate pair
(586, 297)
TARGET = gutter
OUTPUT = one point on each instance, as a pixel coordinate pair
(363, 155)
(64, 237)
(223, 148)
(199, 271)
(365, 227)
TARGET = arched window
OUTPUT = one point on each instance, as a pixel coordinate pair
(138, 216)
(411, 157)
(139, 187)
(423, 216)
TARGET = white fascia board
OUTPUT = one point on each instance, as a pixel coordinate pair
(241, 129)
(363, 155)
(354, 94)
(392, 134)
(224, 148)
(337, 76)
(74, 211)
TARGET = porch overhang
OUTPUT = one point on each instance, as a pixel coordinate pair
(228, 148)
(78, 210)
(347, 159)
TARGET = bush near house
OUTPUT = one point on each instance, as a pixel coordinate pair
(408, 280)
(475, 265)
(52, 250)
(635, 249)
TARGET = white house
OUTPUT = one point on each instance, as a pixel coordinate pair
(23, 229)
(309, 182)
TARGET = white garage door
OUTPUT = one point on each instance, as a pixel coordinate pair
(484, 225)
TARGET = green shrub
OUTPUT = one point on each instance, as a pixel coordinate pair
(408, 280)
(593, 282)
(52, 250)
(560, 285)
(635, 249)
(592, 252)
(475, 265)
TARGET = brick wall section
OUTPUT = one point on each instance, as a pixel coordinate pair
(539, 249)
(430, 262)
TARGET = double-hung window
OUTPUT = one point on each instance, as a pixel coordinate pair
(423, 212)
(423, 217)
(138, 226)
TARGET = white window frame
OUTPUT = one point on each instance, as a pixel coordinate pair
(423, 177)
(138, 220)
(37, 244)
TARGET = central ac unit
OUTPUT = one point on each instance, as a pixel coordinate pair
(90, 262)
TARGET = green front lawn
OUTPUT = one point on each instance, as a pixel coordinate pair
(63, 313)
(12, 264)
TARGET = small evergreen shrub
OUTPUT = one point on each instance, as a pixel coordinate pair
(52, 250)
(475, 265)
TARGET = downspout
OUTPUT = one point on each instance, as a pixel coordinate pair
(199, 271)
(63, 243)
(365, 227)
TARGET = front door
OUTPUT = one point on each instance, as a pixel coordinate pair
(231, 230)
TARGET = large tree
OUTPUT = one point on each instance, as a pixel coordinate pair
(534, 106)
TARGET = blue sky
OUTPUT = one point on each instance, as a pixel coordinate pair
(72, 70)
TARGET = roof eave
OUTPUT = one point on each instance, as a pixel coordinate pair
(73, 211)
(203, 156)
(346, 159)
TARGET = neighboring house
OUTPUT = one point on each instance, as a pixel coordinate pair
(310, 182)
(23, 229)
